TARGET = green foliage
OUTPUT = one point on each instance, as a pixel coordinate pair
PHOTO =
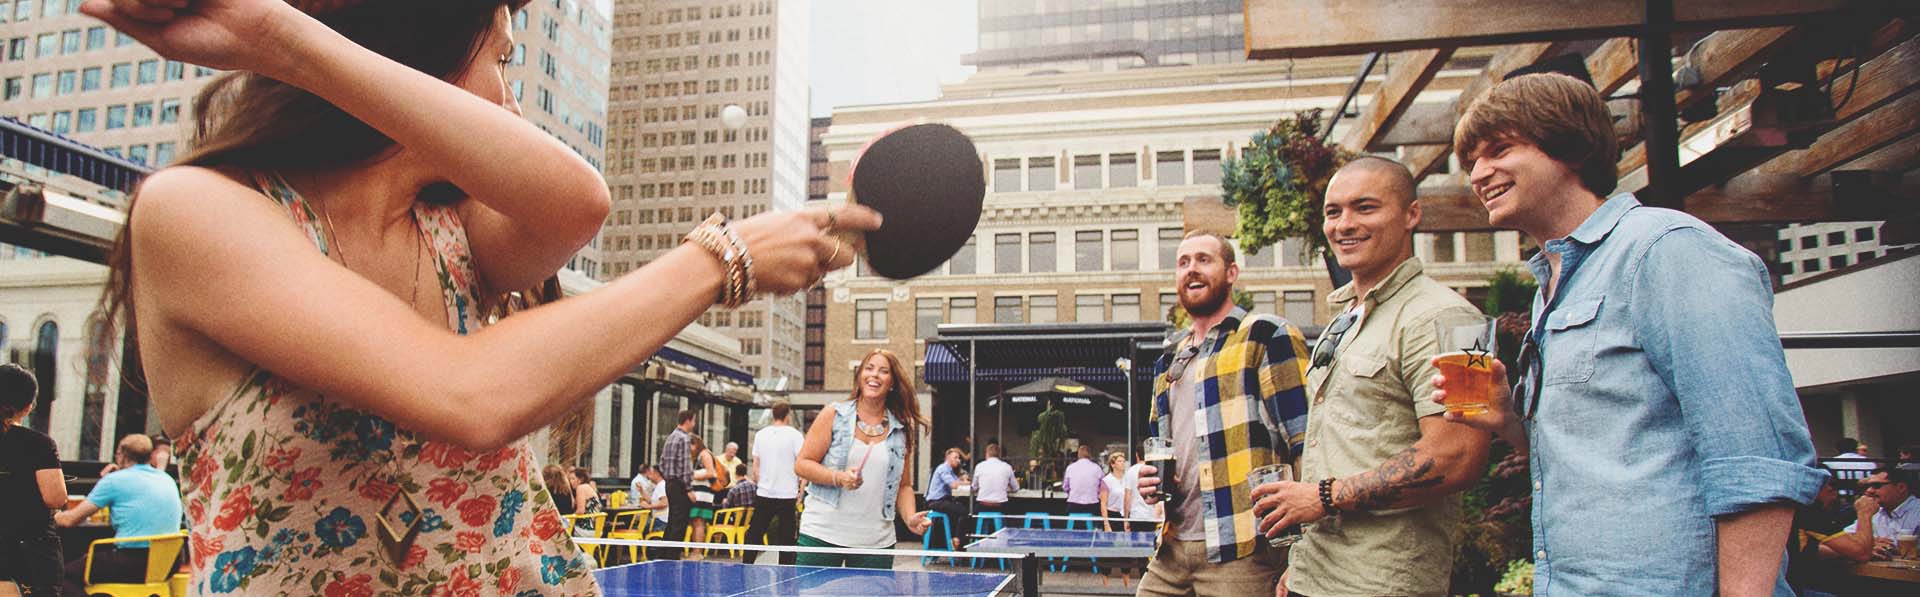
(1278, 182)
(1508, 290)
(1050, 435)
(1518, 579)
(1177, 315)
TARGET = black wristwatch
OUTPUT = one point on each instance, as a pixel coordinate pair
(1326, 497)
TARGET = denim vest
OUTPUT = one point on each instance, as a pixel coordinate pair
(836, 460)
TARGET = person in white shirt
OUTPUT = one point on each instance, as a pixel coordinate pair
(1138, 507)
(993, 478)
(1850, 449)
(1886, 510)
(774, 449)
(642, 488)
(1114, 492)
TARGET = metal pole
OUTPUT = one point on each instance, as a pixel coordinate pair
(1352, 91)
(973, 397)
(1030, 575)
(1657, 112)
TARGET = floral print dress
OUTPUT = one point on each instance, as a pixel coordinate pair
(285, 488)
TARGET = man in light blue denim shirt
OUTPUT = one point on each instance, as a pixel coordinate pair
(1666, 443)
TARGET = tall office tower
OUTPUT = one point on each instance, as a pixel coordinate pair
(670, 161)
(1063, 36)
(559, 76)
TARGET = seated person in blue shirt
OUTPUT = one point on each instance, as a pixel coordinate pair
(143, 501)
(940, 497)
(1886, 509)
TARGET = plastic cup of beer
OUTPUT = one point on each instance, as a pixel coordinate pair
(1274, 473)
(1468, 347)
(1158, 452)
(1907, 546)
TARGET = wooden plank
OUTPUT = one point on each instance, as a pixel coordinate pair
(1424, 159)
(1613, 64)
(1410, 75)
(1429, 123)
(1864, 135)
(1892, 75)
(1728, 56)
(1900, 156)
(1307, 28)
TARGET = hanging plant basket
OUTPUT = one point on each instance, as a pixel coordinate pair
(1278, 183)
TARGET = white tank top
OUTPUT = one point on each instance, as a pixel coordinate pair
(855, 521)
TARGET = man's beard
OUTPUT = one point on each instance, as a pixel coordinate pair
(1209, 303)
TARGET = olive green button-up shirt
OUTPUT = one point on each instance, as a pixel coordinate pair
(1365, 408)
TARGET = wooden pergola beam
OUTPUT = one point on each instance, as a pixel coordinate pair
(1424, 158)
(1891, 70)
(1411, 74)
(1338, 27)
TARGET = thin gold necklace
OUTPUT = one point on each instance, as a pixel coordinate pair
(333, 232)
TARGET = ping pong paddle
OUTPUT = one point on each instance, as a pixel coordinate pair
(927, 182)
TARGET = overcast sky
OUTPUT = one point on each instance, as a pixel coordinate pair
(881, 51)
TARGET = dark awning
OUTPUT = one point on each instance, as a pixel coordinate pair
(1022, 353)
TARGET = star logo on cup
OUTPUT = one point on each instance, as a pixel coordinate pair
(1478, 355)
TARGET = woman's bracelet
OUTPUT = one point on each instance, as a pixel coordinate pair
(717, 238)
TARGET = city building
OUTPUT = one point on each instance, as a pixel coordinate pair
(1093, 179)
(1808, 249)
(559, 76)
(1059, 36)
(815, 355)
(671, 162)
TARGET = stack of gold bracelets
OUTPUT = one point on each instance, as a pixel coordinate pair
(718, 238)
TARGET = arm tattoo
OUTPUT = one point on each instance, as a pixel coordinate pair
(1388, 485)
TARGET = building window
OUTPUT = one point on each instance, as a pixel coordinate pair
(1170, 168)
(1265, 301)
(1086, 171)
(1861, 235)
(116, 117)
(1167, 304)
(1442, 248)
(1837, 261)
(1126, 250)
(62, 122)
(963, 309)
(1206, 166)
(1040, 252)
(1089, 308)
(137, 153)
(143, 114)
(1836, 238)
(1121, 172)
(870, 319)
(962, 262)
(926, 317)
(149, 72)
(90, 79)
(1088, 253)
(1006, 309)
(1808, 266)
(1006, 253)
(1006, 176)
(1298, 308)
(96, 38)
(1479, 246)
(1262, 258)
(1040, 174)
(1043, 309)
(1126, 307)
(122, 75)
(43, 85)
(84, 120)
(1809, 242)
(1169, 247)
(1862, 257)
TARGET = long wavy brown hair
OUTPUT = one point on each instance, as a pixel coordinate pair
(246, 122)
(900, 397)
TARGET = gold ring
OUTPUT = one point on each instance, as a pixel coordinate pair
(836, 251)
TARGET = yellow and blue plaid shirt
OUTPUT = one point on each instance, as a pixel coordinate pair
(1252, 398)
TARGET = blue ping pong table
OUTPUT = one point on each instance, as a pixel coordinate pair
(1067, 543)
(706, 578)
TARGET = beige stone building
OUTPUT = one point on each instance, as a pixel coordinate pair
(677, 65)
(1092, 180)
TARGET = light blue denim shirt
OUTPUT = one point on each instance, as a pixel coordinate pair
(1665, 402)
(836, 458)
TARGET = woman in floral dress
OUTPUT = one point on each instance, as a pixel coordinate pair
(305, 291)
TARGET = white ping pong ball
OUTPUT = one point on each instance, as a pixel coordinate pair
(733, 117)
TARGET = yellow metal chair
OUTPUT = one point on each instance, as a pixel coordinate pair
(162, 553)
(631, 525)
(730, 525)
(597, 524)
(617, 499)
(178, 583)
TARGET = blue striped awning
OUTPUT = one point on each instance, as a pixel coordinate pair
(47, 150)
(1017, 354)
(703, 365)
